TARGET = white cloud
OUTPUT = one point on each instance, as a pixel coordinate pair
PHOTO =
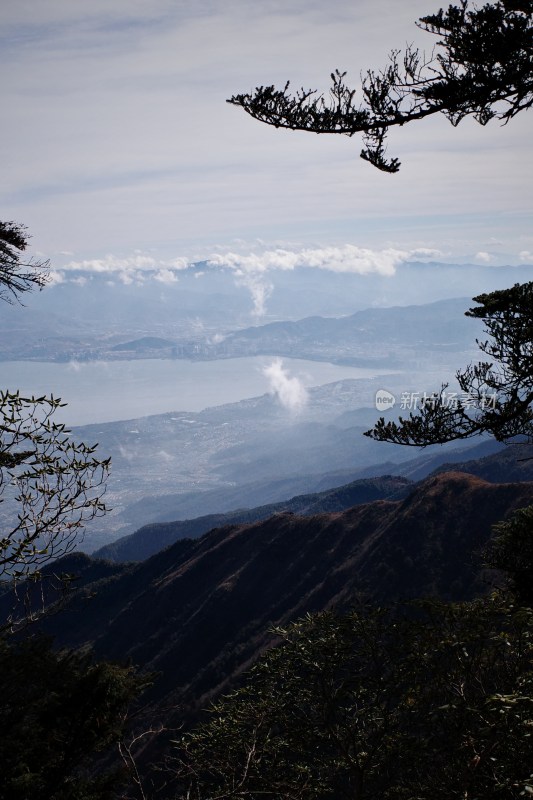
(425, 252)
(111, 263)
(348, 258)
(526, 255)
(81, 280)
(251, 269)
(178, 263)
(55, 277)
(484, 257)
(126, 277)
(135, 268)
(166, 276)
(290, 392)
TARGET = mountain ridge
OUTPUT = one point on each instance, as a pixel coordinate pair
(152, 537)
(200, 611)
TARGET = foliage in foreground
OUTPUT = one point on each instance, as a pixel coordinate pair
(53, 484)
(16, 274)
(511, 550)
(58, 713)
(498, 391)
(50, 485)
(426, 701)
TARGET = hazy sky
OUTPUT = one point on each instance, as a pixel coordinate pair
(117, 142)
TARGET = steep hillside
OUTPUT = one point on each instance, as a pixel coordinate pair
(151, 538)
(147, 540)
(512, 463)
(199, 612)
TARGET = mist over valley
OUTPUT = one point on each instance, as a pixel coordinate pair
(203, 412)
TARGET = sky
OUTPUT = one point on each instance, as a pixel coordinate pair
(118, 146)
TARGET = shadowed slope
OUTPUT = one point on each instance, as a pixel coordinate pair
(151, 538)
(199, 612)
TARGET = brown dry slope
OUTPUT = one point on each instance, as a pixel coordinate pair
(200, 611)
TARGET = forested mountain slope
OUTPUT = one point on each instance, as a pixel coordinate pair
(199, 612)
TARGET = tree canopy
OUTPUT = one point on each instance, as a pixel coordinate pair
(50, 485)
(59, 713)
(496, 395)
(481, 65)
(425, 700)
(17, 275)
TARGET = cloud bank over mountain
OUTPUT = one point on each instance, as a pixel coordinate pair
(250, 268)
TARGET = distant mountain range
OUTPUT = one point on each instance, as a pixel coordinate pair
(85, 314)
(388, 338)
(153, 537)
(385, 336)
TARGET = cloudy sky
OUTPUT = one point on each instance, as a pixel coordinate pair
(117, 143)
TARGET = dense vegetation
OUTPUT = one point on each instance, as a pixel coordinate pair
(59, 712)
(421, 701)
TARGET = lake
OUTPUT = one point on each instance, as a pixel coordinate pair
(100, 391)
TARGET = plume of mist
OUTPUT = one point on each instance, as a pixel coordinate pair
(259, 288)
(290, 392)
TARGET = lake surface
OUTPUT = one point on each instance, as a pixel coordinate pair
(100, 391)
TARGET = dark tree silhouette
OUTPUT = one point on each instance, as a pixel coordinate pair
(60, 713)
(16, 275)
(481, 66)
(50, 485)
(497, 395)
